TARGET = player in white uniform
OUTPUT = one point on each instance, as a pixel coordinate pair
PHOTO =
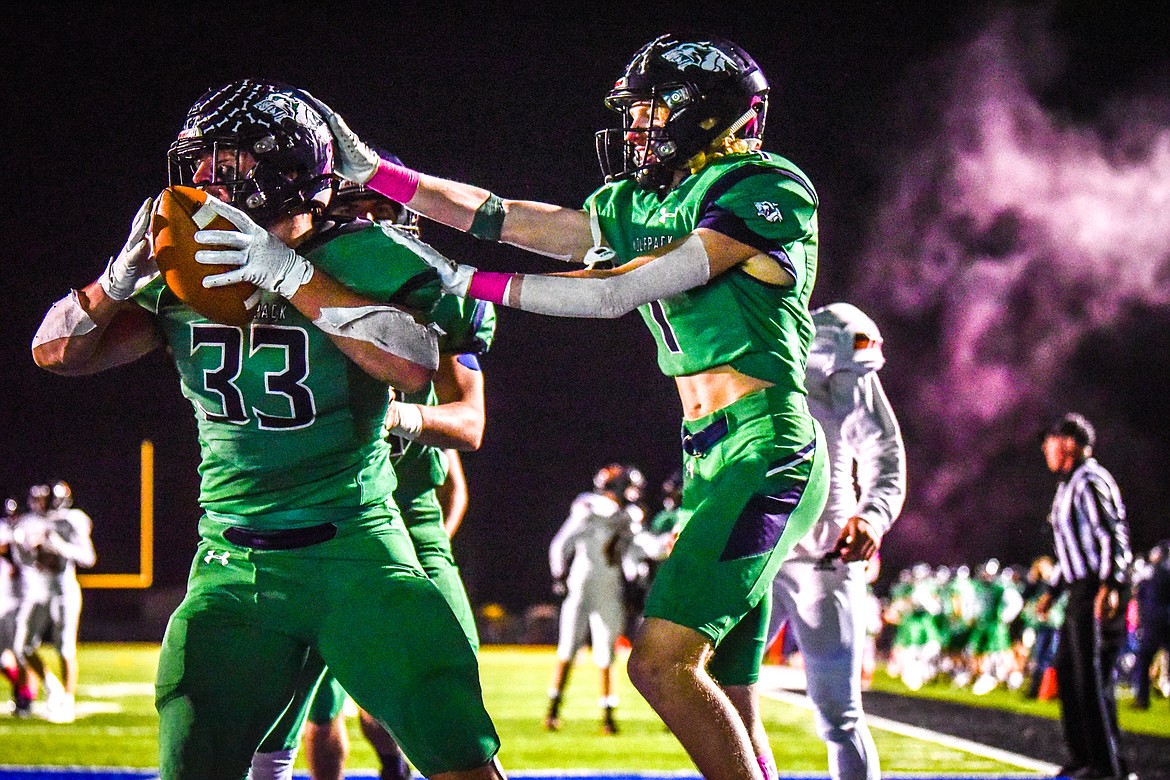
(52, 540)
(585, 558)
(821, 587)
(9, 595)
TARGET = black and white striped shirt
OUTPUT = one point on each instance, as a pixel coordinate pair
(1088, 523)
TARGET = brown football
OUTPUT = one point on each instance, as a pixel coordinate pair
(179, 212)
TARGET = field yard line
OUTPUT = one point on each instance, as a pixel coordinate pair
(926, 735)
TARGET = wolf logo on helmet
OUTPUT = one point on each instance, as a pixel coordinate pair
(287, 137)
(699, 55)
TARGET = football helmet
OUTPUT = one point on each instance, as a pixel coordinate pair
(10, 507)
(62, 495)
(846, 340)
(711, 89)
(354, 200)
(287, 137)
(38, 497)
(622, 480)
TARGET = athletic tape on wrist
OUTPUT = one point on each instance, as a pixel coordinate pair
(64, 319)
(396, 182)
(489, 286)
(410, 421)
(488, 222)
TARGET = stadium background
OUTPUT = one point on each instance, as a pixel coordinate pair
(922, 127)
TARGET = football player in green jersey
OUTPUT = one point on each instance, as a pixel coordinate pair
(302, 549)
(448, 413)
(715, 241)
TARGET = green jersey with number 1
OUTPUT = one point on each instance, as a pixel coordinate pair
(289, 427)
(745, 318)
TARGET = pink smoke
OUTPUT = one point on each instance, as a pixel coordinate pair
(1014, 235)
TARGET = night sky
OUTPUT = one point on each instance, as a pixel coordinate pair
(995, 192)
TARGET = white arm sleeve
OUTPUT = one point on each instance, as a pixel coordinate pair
(65, 319)
(558, 549)
(389, 329)
(682, 268)
(881, 459)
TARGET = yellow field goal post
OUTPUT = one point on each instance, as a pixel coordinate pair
(145, 574)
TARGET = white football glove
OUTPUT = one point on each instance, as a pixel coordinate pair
(263, 259)
(353, 159)
(133, 262)
(455, 278)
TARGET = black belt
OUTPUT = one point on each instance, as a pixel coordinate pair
(290, 539)
(698, 443)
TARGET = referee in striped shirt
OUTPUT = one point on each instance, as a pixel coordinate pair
(1093, 561)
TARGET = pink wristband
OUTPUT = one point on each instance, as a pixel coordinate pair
(396, 182)
(489, 286)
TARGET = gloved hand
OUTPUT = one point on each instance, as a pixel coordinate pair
(263, 259)
(133, 262)
(455, 278)
(354, 159)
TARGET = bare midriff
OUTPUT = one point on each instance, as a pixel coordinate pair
(709, 391)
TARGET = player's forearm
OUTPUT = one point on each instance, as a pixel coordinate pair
(80, 552)
(544, 228)
(603, 295)
(456, 426)
(75, 337)
(385, 342)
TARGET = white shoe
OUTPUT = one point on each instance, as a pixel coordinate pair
(61, 708)
(984, 685)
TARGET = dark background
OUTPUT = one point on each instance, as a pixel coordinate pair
(995, 192)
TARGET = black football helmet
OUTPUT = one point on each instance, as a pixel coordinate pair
(62, 495)
(622, 480)
(711, 88)
(355, 200)
(38, 497)
(288, 138)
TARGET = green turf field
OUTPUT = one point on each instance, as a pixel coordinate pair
(117, 724)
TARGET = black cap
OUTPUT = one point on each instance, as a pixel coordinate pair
(1075, 426)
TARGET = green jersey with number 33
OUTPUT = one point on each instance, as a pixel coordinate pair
(288, 423)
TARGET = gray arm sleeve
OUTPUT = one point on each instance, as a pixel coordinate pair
(682, 268)
(389, 329)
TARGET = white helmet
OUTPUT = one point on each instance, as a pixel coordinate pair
(846, 340)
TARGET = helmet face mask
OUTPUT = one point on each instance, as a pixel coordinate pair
(272, 151)
(701, 91)
(356, 201)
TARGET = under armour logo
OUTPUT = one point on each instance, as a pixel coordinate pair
(222, 557)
